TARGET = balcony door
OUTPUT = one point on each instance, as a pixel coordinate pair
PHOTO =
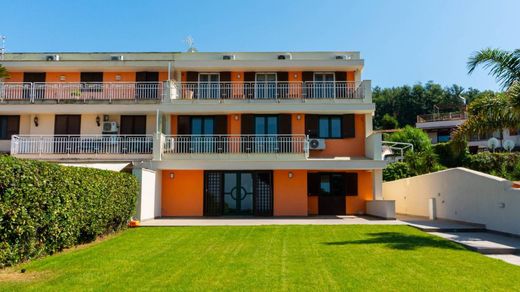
(265, 85)
(67, 129)
(133, 130)
(323, 86)
(266, 134)
(209, 85)
(202, 131)
(37, 90)
(147, 86)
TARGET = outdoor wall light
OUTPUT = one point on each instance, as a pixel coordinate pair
(172, 175)
(298, 117)
(295, 75)
(35, 120)
(238, 76)
(118, 77)
(236, 117)
(98, 121)
(62, 78)
(290, 174)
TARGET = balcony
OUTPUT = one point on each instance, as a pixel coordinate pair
(269, 90)
(453, 116)
(235, 146)
(84, 91)
(102, 147)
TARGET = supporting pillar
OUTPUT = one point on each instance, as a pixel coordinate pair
(377, 184)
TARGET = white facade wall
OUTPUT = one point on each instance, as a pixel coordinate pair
(149, 200)
(460, 194)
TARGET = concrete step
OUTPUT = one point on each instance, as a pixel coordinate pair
(488, 243)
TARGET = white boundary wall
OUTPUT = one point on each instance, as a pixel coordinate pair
(149, 200)
(460, 194)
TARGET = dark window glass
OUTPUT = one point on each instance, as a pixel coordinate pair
(332, 184)
(329, 127)
(325, 186)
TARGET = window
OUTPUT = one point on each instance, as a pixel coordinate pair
(332, 184)
(323, 85)
(209, 86)
(265, 85)
(9, 125)
(329, 127)
(91, 81)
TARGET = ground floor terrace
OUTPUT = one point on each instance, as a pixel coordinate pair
(248, 193)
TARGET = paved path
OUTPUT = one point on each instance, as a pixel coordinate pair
(484, 242)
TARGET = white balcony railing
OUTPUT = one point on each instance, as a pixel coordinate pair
(36, 91)
(235, 144)
(269, 90)
(86, 145)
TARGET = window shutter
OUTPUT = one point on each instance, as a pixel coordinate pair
(192, 76)
(225, 76)
(183, 125)
(351, 184)
(13, 126)
(311, 126)
(313, 183)
(348, 126)
(307, 76)
(282, 90)
(247, 125)
(249, 76)
(340, 76)
(225, 88)
(91, 77)
(220, 125)
(282, 76)
(284, 124)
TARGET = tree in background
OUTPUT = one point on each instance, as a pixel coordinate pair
(417, 137)
(389, 122)
(3, 72)
(494, 111)
(406, 102)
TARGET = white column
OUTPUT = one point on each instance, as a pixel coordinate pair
(377, 184)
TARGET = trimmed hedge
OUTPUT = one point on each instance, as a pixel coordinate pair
(46, 207)
(506, 165)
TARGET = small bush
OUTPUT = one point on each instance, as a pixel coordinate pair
(451, 154)
(396, 170)
(45, 207)
(389, 122)
(417, 137)
(505, 165)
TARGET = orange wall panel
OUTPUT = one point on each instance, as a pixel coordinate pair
(351, 76)
(356, 204)
(349, 147)
(183, 195)
(163, 76)
(125, 76)
(72, 77)
(295, 76)
(298, 126)
(290, 194)
(15, 77)
(173, 124)
(184, 76)
(233, 125)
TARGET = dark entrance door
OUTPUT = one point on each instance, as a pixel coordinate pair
(238, 193)
(147, 86)
(331, 205)
(67, 129)
(37, 87)
(133, 131)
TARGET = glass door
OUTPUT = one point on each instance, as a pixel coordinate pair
(266, 134)
(324, 85)
(202, 139)
(209, 85)
(265, 86)
(238, 193)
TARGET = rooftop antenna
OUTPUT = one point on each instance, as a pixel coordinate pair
(190, 42)
(2, 47)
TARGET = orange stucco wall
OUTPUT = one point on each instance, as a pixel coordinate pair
(298, 125)
(163, 76)
(350, 147)
(312, 205)
(233, 126)
(183, 195)
(15, 77)
(290, 194)
(125, 76)
(173, 124)
(351, 76)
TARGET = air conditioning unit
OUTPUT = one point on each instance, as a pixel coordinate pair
(228, 57)
(342, 57)
(285, 57)
(53, 58)
(110, 127)
(317, 144)
(117, 58)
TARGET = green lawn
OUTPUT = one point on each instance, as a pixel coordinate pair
(367, 257)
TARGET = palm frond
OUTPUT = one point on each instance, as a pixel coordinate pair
(504, 65)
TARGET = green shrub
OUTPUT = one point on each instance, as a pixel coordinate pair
(396, 170)
(417, 137)
(46, 207)
(389, 122)
(505, 165)
(452, 153)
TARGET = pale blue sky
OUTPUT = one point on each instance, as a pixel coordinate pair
(402, 41)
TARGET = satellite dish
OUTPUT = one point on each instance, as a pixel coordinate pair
(493, 144)
(509, 145)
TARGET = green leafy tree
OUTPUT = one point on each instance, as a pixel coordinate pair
(3, 72)
(417, 137)
(389, 122)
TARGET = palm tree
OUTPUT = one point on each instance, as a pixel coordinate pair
(494, 111)
(3, 72)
